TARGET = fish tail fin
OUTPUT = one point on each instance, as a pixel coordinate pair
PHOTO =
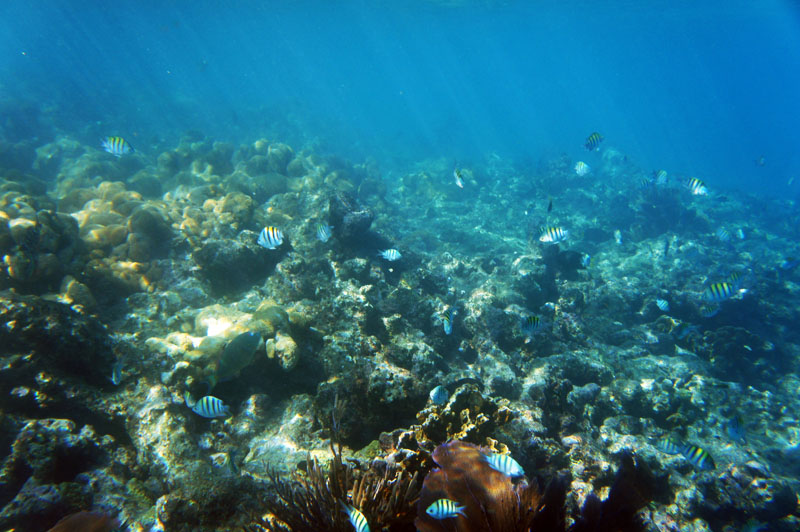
(187, 397)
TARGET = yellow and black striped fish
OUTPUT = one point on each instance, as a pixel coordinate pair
(116, 146)
(270, 237)
(530, 325)
(551, 235)
(593, 141)
(357, 519)
(719, 291)
(699, 457)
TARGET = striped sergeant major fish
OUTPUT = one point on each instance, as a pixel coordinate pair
(116, 146)
(581, 168)
(390, 254)
(530, 325)
(444, 509)
(439, 395)
(270, 237)
(458, 178)
(324, 232)
(698, 456)
(593, 141)
(721, 291)
(208, 406)
(357, 519)
(504, 464)
(735, 279)
(660, 177)
(447, 321)
(696, 187)
(553, 235)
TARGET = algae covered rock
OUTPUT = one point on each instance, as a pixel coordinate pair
(231, 265)
(284, 348)
(41, 476)
(56, 334)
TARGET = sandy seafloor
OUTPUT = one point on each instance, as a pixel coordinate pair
(152, 264)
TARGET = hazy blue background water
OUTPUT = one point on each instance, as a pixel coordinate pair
(698, 90)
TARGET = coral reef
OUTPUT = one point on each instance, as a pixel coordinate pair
(126, 282)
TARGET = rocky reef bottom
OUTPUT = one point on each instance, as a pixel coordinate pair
(403, 355)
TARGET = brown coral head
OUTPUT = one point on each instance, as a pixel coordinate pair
(86, 522)
(491, 500)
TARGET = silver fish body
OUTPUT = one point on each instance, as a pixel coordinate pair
(270, 237)
(357, 519)
(552, 235)
(581, 168)
(439, 395)
(390, 254)
(505, 464)
(116, 146)
(445, 508)
(210, 406)
(324, 232)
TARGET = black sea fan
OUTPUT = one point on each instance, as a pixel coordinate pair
(633, 488)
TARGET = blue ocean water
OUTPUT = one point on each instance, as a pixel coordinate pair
(700, 89)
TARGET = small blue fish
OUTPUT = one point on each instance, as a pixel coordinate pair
(663, 304)
(439, 395)
(445, 508)
(447, 321)
(357, 519)
(740, 234)
(790, 263)
(735, 429)
(682, 330)
(270, 237)
(505, 464)
(696, 187)
(553, 235)
(116, 146)
(324, 232)
(586, 260)
(209, 406)
(390, 254)
(116, 373)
